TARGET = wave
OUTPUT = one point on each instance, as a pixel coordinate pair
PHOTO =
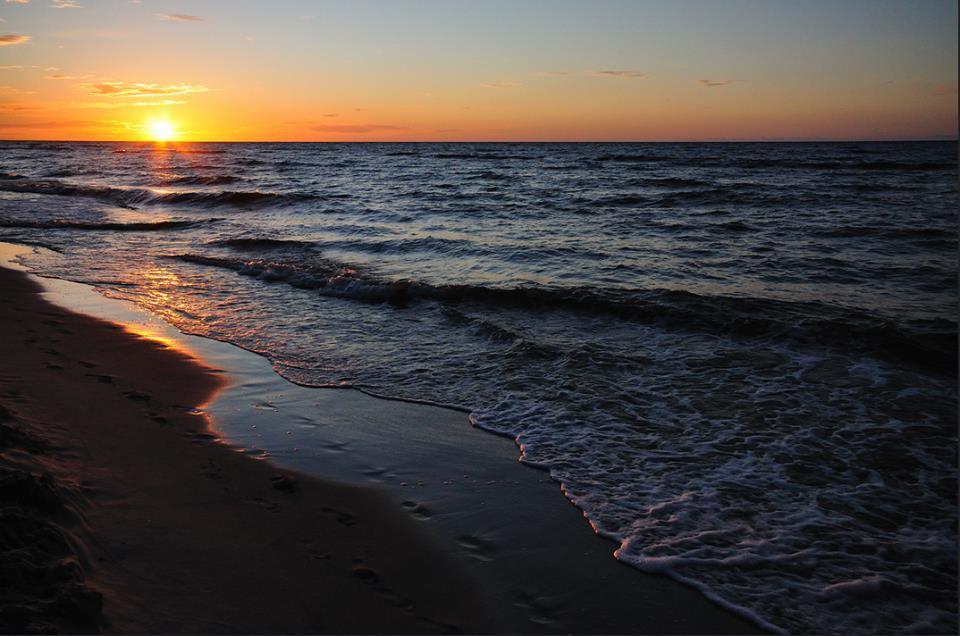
(489, 175)
(928, 344)
(221, 179)
(115, 227)
(227, 197)
(733, 226)
(635, 158)
(731, 193)
(762, 163)
(259, 243)
(481, 156)
(130, 197)
(671, 182)
(900, 233)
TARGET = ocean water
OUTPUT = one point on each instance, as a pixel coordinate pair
(740, 360)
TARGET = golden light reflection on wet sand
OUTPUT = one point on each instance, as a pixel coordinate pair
(147, 333)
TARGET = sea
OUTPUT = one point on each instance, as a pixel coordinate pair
(738, 359)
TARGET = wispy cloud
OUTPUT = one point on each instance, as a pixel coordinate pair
(111, 105)
(66, 4)
(355, 128)
(620, 74)
(13, 90)
(53, 124)
(179, 17)
(123, 89)
(18, 107)
(711, 83)
(18, 1)
(66, 77)
(12, 39)
(331, 114)
(500, 85)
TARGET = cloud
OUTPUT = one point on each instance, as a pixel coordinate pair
(18, 106)
(355, 128)
(18, 1)
(66, 77)
(123, 89)
(12, 39)
(13, 90)
(53, 124)
(712, 83)
(620, 74)
(180, 17)
(109, 105)
(9, 67)
(331, 114)
(65, 4)
(500, 85)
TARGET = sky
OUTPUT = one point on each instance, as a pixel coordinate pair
(476, 70)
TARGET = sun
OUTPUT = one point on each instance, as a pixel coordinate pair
(161, 130)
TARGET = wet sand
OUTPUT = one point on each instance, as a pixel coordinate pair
(112, 490)
(506, 551)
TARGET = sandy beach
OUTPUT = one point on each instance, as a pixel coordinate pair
(122, 514)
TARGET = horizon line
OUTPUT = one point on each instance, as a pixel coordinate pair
(494, 141)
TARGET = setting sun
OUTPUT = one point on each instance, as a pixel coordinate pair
(161, 130)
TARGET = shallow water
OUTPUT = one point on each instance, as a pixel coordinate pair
(738, 359)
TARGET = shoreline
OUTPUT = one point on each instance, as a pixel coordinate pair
(508, 529)
(140, 508)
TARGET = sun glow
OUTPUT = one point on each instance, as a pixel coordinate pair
(161, 130)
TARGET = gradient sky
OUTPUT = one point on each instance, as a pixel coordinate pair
(479, 69)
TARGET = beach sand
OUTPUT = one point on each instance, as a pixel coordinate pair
(180, 532)
(112, 490)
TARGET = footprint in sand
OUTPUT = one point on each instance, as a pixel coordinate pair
(284, 483)
(478, 547)
(343, 518)
(417, 510)
(269, 505)
(212, 470)
(541, 611)
(366, 575)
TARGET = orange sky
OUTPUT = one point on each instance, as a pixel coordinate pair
(369, 70)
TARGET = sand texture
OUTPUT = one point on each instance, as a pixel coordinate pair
(122, 513)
